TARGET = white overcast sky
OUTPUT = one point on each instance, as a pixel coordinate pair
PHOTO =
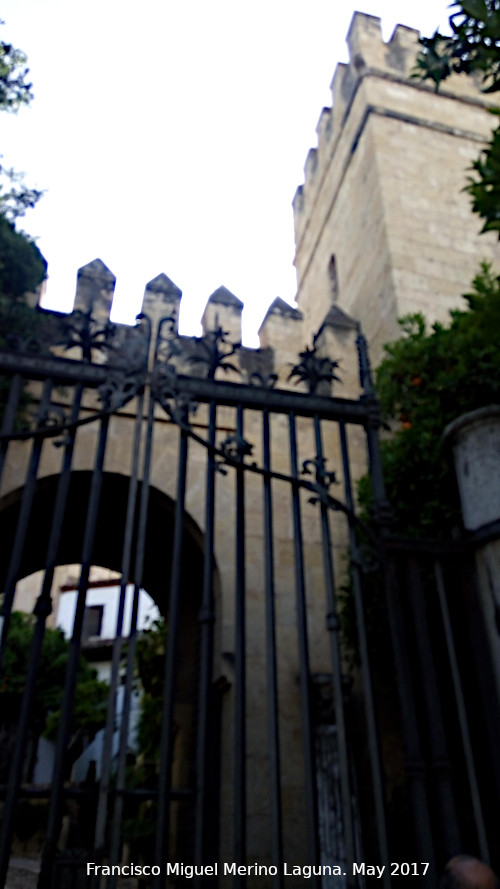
(171, 136)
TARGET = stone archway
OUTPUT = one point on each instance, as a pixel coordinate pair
(109, 531)
(156, 578)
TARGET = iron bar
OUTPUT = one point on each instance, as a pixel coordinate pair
(35, 791)
(23, 520)
(333, 627)
(109, 730)
(414, 762)
(366, 673)
(140, 547)
(206, 620)
(9, 417)
(304, 670)
(56, 799)
(162, 844)
(42, 610)
(279, 401)
(121, 792)
(271, 664)
(240, 670)
(65, 371)
(426, 546)
(372, 424)
(440, 762)
(462, 715)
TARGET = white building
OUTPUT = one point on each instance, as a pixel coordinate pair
(98, 636)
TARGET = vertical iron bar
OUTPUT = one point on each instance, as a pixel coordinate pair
(372, 424)
(271, 665)
(138, 572)
(43, 608)
(23, 519)
(206, 620)
(162, 845)
(333, 627)
(371, 720)
(304, 671)
(103, 791)
(440, 762)
(414, 762)
(116, 822)
(462, 716)
(9, 417)
(240, 670)
(56, 798)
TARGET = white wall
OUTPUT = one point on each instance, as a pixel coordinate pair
(108, 597)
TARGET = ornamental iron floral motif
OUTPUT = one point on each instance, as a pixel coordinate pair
(314, 370)
(324, 479)
(24, 344)
(236, 448)
(214, 348)
(81, 330)
(118, 389)
(267, 381)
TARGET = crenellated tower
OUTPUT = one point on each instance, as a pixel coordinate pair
(382, 225)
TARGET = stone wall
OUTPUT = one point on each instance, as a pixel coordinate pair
(282, 339)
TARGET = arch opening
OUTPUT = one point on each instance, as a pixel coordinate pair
(109, 536)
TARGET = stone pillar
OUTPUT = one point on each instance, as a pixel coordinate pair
(162, 299)
(282, 331)
(475, 440)
(94, 290)
(223, 309)
(336, 339)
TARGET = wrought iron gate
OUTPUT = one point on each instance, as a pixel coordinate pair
(231, 502)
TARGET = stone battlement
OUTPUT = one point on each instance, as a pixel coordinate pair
(369, 57)
(88, 332)
(382, 224)
(162, 297)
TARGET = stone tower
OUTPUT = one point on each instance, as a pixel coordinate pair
(382, 225)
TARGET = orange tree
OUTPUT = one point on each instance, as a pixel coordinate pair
(427, 379)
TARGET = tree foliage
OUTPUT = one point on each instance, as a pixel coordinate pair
(22, 266)
(472, 48)
(91, 694)
(15, 91)
(484, 187)
(14, 87)
(138, 824)
(151, 647)
(426, 380)
(22, 270)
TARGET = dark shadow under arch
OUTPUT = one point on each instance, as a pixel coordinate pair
(108, 552)
(109, 534)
